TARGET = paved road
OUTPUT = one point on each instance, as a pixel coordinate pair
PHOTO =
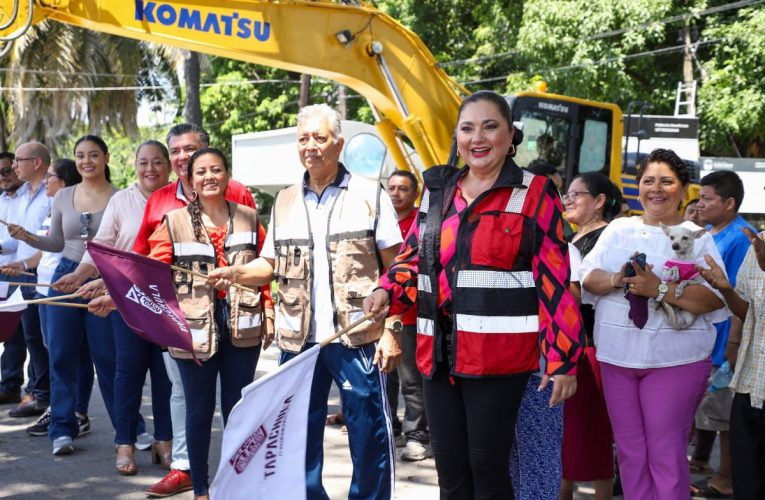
(29, 471)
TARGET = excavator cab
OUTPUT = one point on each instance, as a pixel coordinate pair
(575, 135)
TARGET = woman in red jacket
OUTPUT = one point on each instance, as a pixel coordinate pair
(488, 267)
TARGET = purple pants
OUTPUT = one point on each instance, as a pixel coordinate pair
(651, 412)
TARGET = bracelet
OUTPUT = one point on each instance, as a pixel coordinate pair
(24, 263)
(614, 285)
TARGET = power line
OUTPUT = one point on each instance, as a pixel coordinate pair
(606, 34)
(139, 87)
(63, 73)
(607, 60)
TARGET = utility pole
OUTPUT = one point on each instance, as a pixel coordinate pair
(305, 91)
(688, 66)
(342, 106)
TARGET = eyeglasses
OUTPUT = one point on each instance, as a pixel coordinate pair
(49, 175)
(6, 172)
(17, 160)
(85, 220)
(573, 195)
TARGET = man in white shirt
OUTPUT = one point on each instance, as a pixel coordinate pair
(15, 350)
(31, 165)
(329, 238)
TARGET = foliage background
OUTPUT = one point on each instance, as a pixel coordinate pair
(611, 50)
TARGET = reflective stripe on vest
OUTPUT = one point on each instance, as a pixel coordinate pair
(425, 326)
(497, 324)
(245, 322)
(243, 238)
(193, 249)
(425, 203)
(423, 283)
(491, 279)
(518, 198)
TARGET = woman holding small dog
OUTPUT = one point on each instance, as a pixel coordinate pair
(654, 376)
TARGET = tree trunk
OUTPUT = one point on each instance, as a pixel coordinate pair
(192, 110)
(342, 106)
(305, 91)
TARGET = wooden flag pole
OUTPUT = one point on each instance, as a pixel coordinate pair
(67, 304)
(326, 342)
(53, 299)
(31, 236)
(20, 283)
(200, 275)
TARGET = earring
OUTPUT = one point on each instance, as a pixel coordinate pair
(511, 151)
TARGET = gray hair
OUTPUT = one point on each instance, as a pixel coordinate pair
(321, 111)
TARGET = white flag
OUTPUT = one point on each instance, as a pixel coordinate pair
(263, 450)
(14, 303)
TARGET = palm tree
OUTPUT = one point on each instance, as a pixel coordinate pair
(71, 62)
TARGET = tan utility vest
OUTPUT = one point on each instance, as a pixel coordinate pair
(354, 262)
(195, 295)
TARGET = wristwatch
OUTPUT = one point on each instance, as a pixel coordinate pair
(396, 326)
(663, 289)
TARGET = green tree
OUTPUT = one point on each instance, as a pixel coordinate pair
(59, 56)
(732, 97)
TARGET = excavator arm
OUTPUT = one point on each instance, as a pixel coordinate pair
(355, 45)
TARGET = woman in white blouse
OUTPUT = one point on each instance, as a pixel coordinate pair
(653, 375)
(135, 356)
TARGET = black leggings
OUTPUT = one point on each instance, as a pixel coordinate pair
(472, 424)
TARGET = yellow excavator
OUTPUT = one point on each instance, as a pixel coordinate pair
(358, 46)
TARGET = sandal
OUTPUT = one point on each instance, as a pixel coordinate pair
(162, 453)
(700, 467)
(336, 419)
(702, 489)
(125, 463)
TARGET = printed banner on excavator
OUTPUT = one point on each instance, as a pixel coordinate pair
(232, 24)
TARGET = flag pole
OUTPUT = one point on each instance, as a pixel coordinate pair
(67, 304)
(31, 236)
(200, 275)
(326, 342)
(24, 283)
(53, 299)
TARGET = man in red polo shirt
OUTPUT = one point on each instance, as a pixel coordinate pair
(402, 188)
(182, 141)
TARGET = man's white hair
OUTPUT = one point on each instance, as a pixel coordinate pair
(321, 111)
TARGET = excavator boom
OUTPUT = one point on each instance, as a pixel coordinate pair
(355, 45)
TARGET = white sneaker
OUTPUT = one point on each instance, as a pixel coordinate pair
(415, 451)
(144, 441)
(63, 445)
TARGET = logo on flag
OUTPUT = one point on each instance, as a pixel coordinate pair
(266, 428)
(249, 448)
(137, 283)
(139, 297)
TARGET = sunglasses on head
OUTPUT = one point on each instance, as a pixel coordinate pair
(85, 220)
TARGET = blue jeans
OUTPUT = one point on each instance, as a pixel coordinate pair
(69, 328)
(85, 374)
(236, 367)
(134, 357)
(367, 413)
(39, 379)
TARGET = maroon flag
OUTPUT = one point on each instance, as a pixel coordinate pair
(11, 310)
(143, 292)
